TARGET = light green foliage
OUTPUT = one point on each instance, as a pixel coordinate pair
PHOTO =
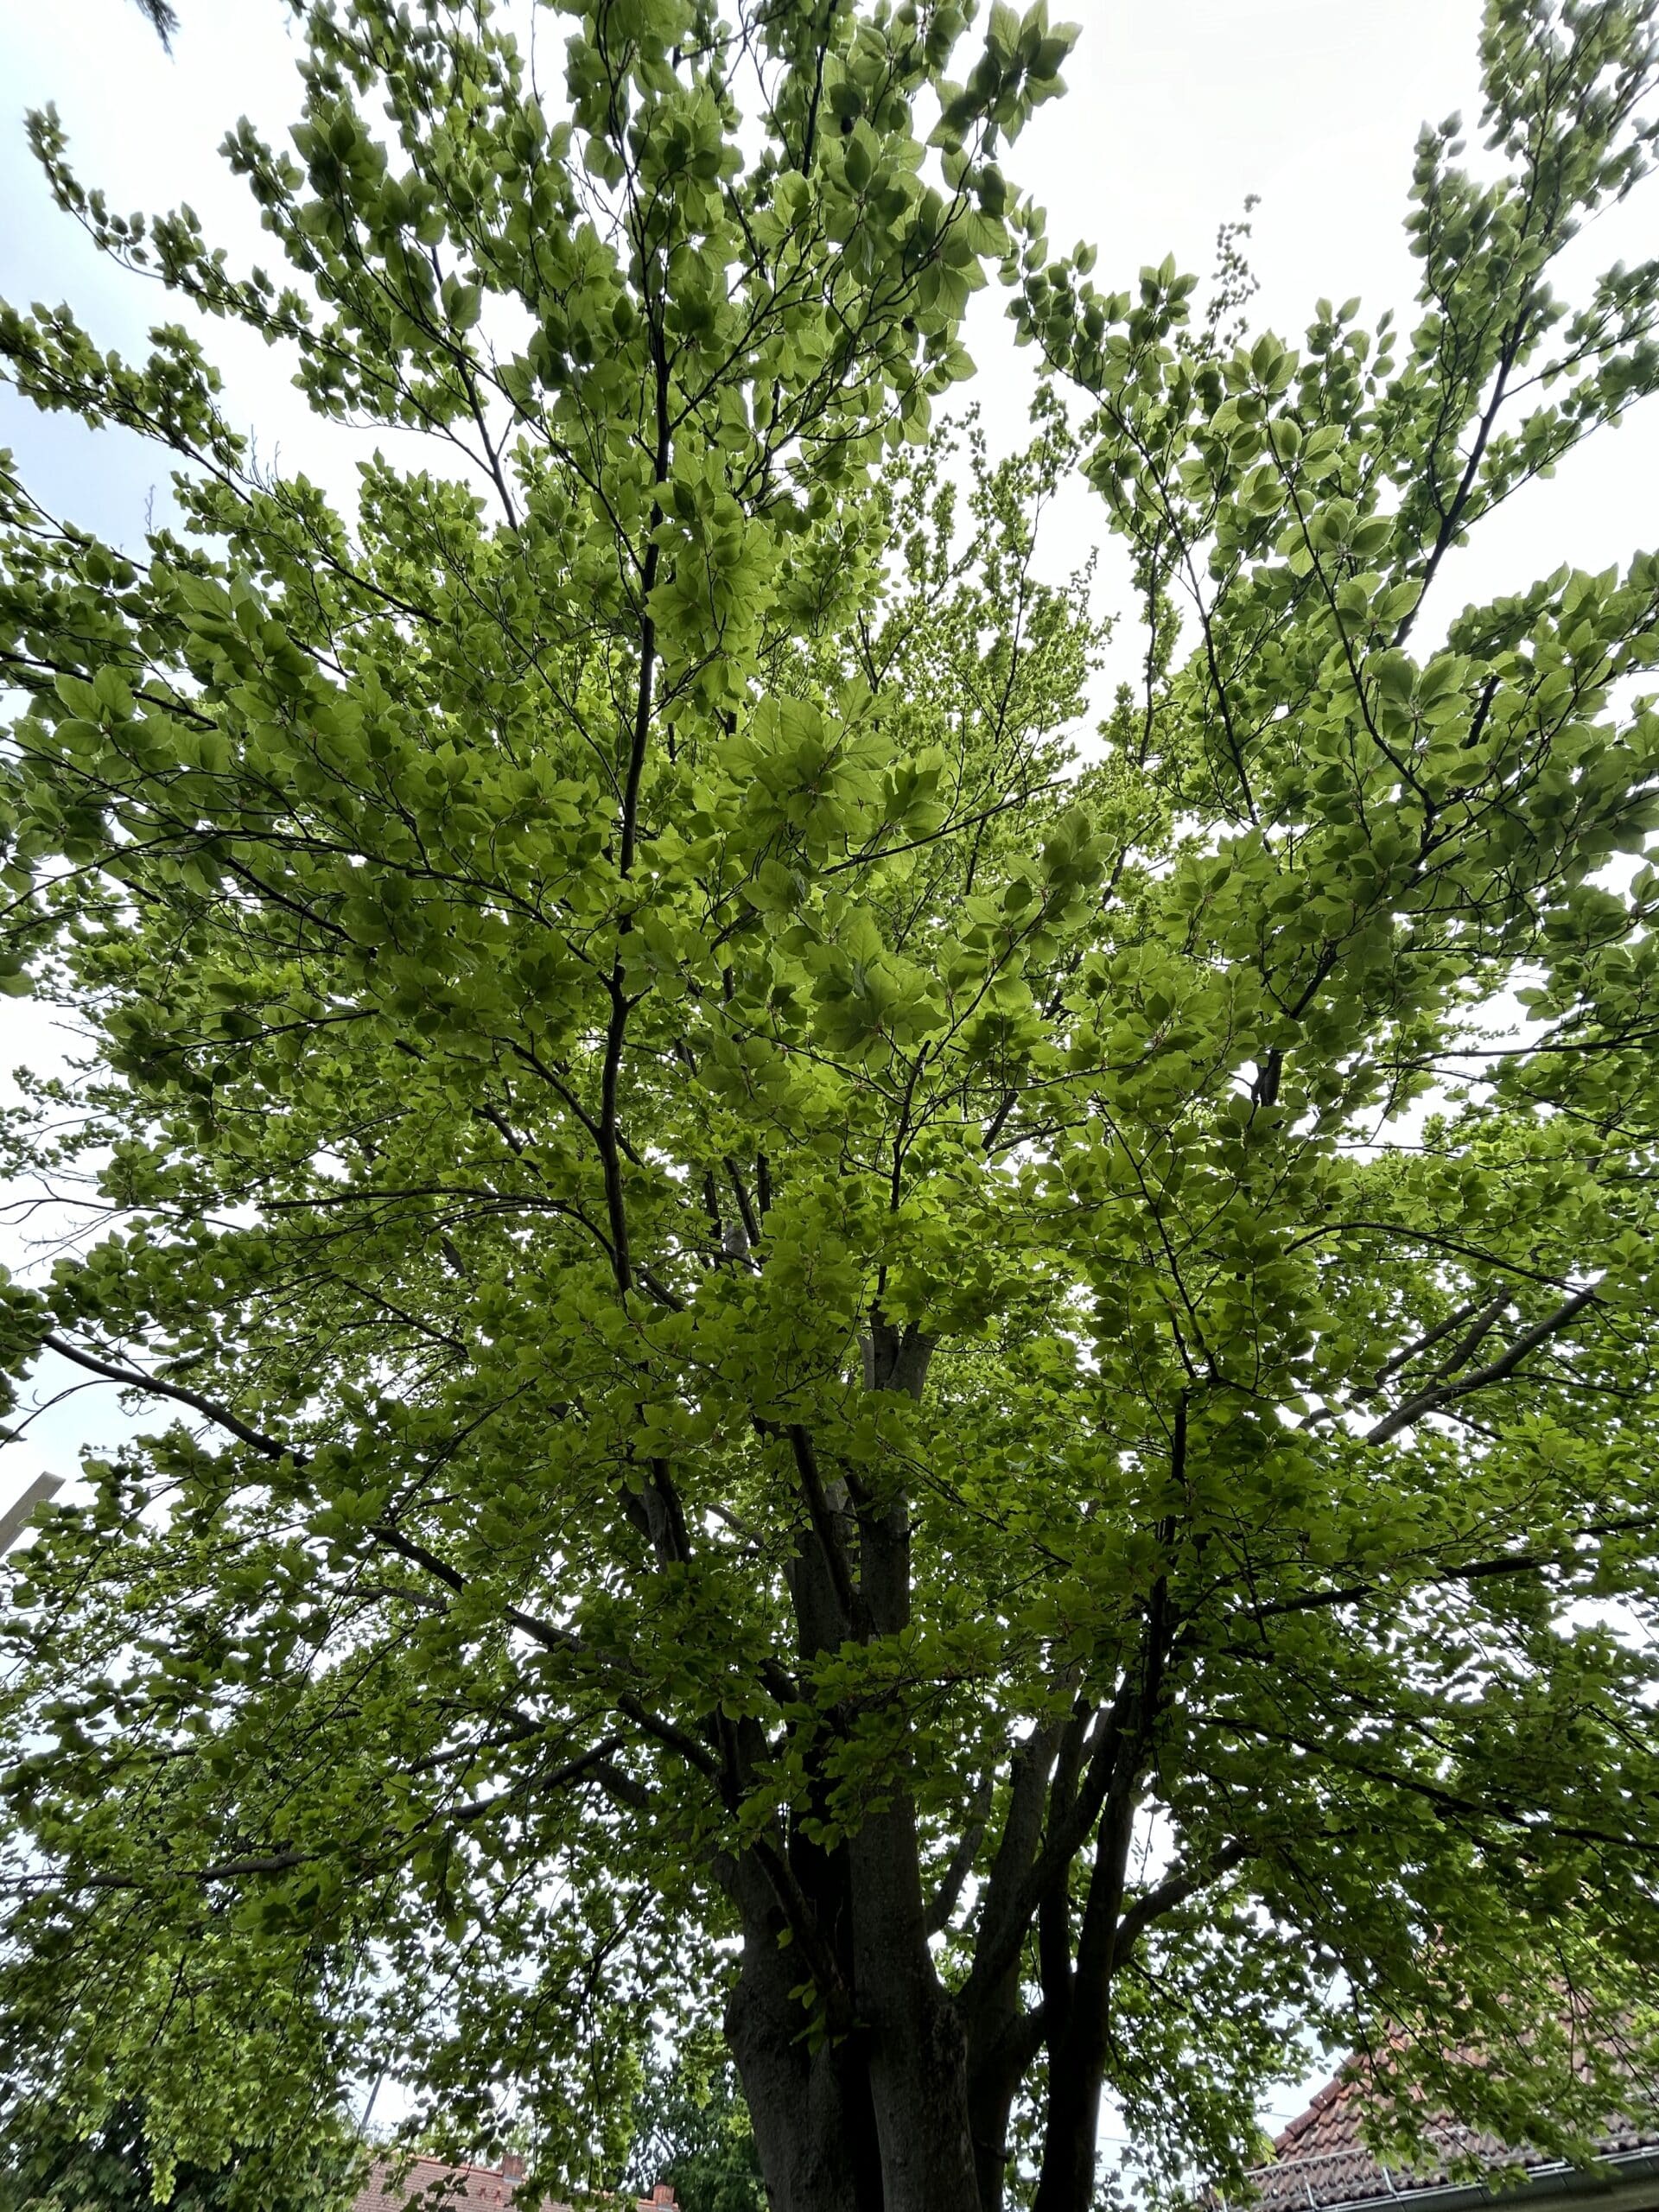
(737, 1240)
(692, 2130)
(53, 2166)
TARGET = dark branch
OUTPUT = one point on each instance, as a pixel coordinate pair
(1442, 1394)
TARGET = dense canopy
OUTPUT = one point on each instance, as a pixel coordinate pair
(818, 1343)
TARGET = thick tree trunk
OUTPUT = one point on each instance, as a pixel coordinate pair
(811, 2109)
(918, 2053)
(876, 2120)
(814, 2126)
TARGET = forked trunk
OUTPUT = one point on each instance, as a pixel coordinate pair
(875, 2119)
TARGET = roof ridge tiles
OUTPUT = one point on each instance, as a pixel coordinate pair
(1320, 2160)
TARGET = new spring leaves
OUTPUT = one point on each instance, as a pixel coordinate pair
(785, 1300)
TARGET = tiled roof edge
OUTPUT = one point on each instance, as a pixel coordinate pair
(1553, 2179)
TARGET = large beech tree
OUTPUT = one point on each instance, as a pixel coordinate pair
(979, 1392)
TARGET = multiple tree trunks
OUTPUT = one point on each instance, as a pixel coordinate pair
(875, 2089)
(889, 2115)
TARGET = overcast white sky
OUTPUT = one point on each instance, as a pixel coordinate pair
(1177, 110)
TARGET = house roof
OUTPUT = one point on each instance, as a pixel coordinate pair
(435, 2185)
(1320, 2161)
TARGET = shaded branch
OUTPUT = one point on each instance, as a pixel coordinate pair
(1177, 1886)
(961, 1860)
(1441, 1393)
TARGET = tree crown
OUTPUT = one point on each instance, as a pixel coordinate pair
(810, 1330)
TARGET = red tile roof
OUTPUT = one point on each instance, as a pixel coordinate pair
(434, 2185)
(1320, 2161)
